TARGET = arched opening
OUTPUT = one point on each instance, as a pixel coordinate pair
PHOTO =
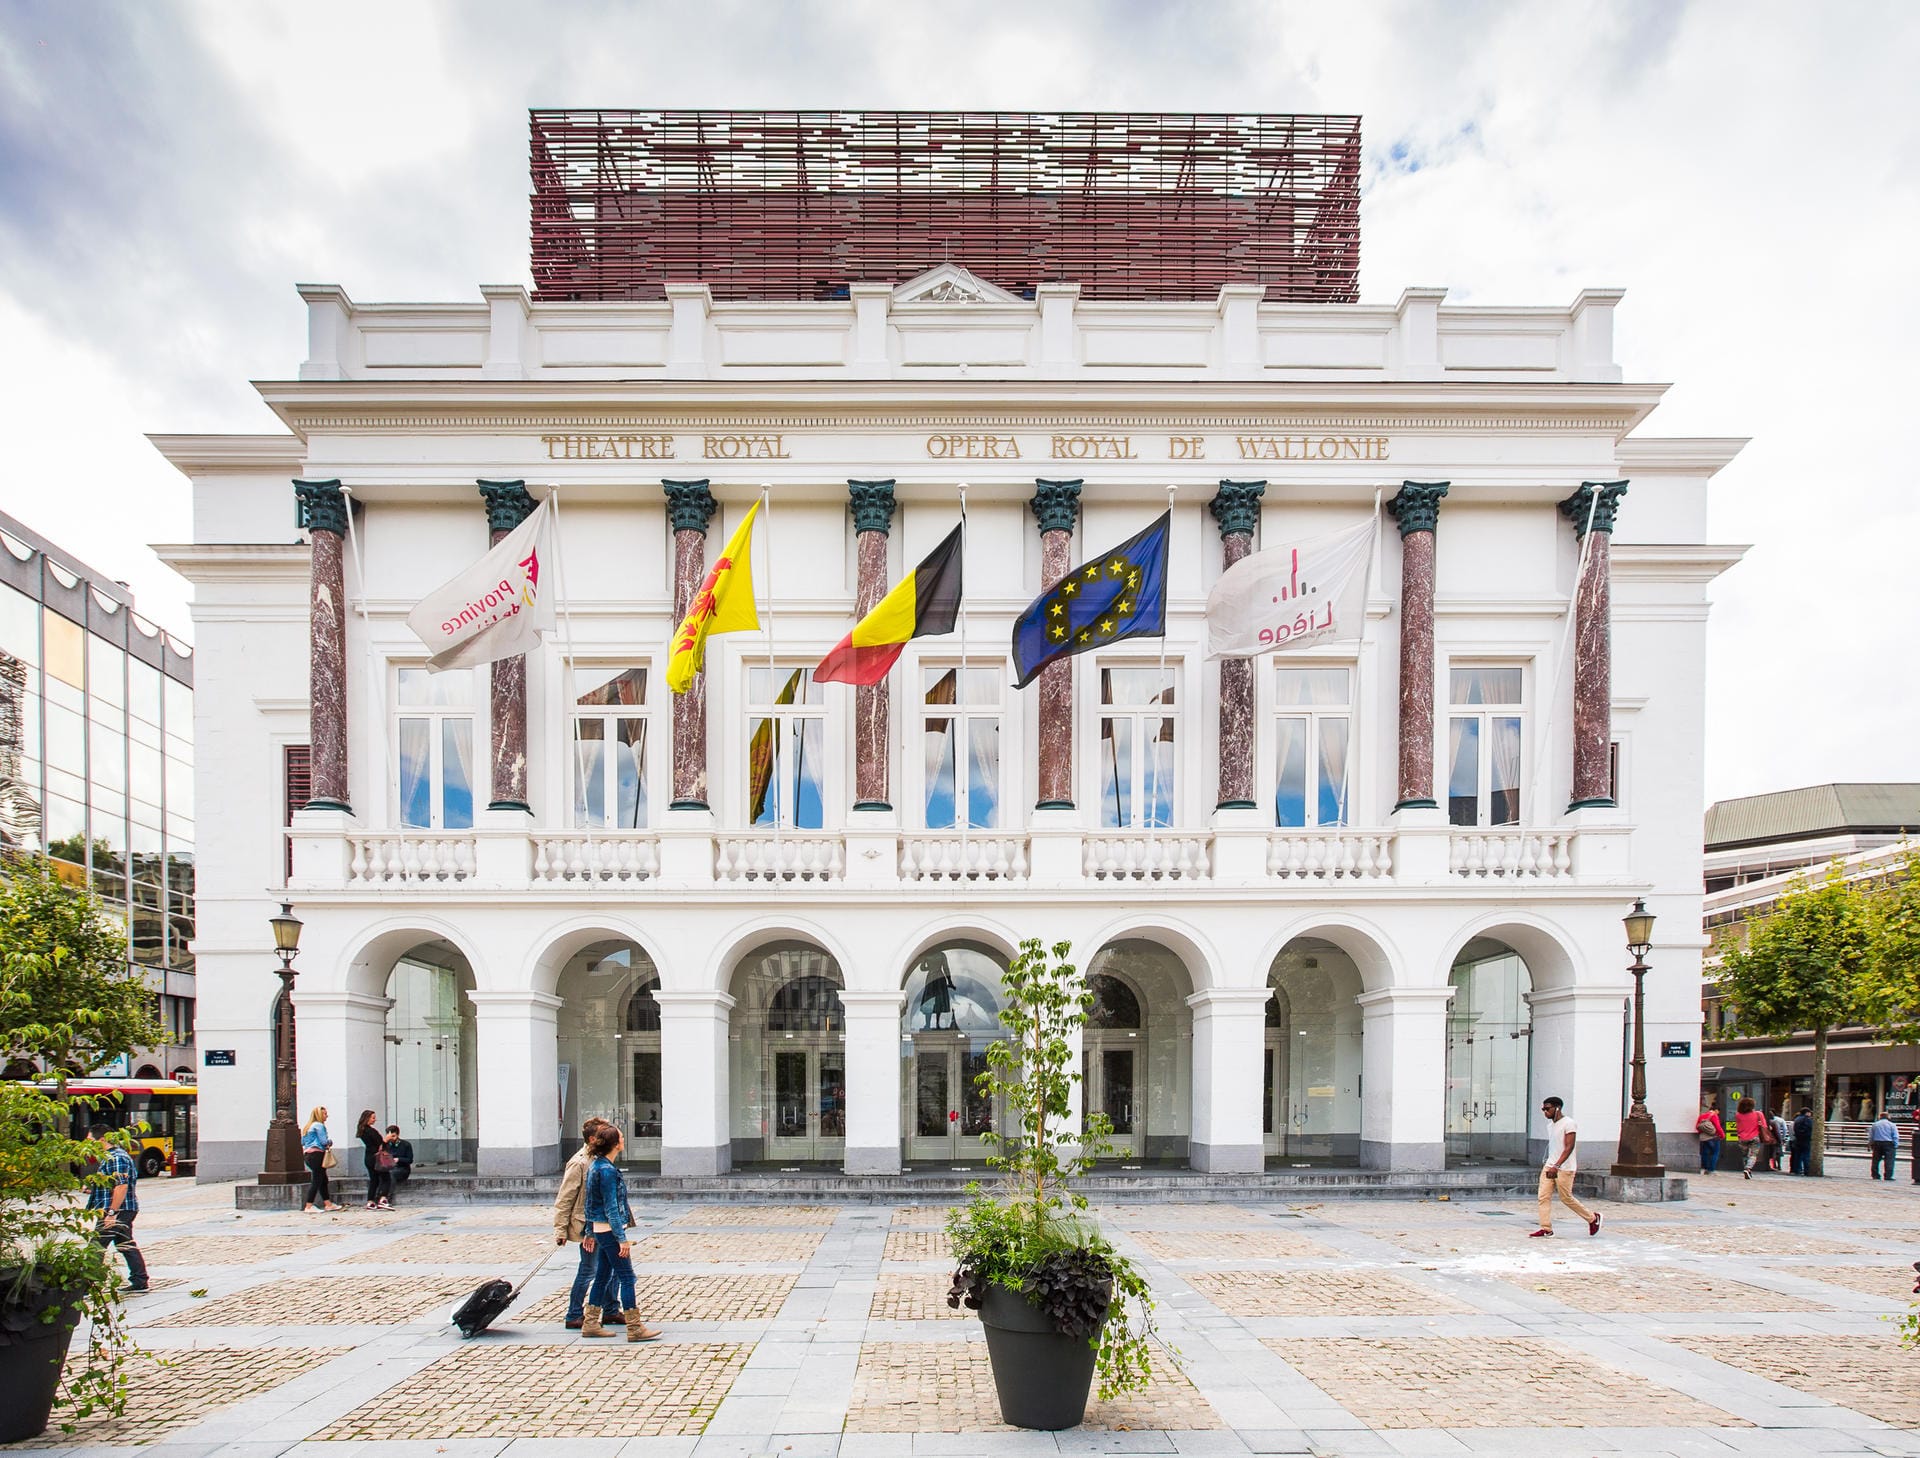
(1136, 1058)
(954, 994)
(1312, 1059)
(609, 1046)
(146, 1070)
(1489, 1055)
(432, 1070)
(787, 1058)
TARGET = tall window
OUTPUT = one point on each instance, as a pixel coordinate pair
(435, 735)
(1314, 715)
(1485, 723)
(786, 748)
(1137, 746)
(961, 735)
(610, 748)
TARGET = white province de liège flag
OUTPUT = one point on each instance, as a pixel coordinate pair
(1307, 592)
(497, 607)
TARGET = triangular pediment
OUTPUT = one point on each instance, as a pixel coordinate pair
(952, 284)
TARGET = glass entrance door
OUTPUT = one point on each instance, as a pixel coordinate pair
(1487, 1102)
(949, 1112)
(1274, 1107)
(1111, 1087)
(643, 1135)
(807, 1103)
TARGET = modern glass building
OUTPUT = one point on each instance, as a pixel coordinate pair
(96, 763)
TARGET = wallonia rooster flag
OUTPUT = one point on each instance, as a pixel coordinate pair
(924, 604)
(496, 608)
(724, 604)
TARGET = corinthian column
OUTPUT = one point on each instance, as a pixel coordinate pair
(1056, 506)
(690, 506)
(1417, 509)
(508, 504)
(1596, 502)
(872, 516)
(1236, 507)
(322, 510)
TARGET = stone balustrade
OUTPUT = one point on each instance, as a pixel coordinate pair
(1144, 856)
(954, 857)
(1330, 855)
(1516, 855)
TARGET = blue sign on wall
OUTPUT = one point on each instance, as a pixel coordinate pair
(1676, 1050)
(218, 1058)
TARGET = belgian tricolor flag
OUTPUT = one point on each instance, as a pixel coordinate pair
(926, 602)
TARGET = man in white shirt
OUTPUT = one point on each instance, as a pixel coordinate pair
(1556, 1177)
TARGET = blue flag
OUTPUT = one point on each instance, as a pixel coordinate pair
(1119, 594)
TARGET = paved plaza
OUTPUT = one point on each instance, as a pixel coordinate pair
(1753, 1318)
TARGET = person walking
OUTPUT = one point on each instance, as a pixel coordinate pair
(1782, 1140)
(118, 1201)
(1749, 1127)
(1803, 1141)
(1883, 1144)
(570, 1218)
(316, 1148)
(1556, 1176)
(373, 1145)
(609, 1216)
(402, 1152)
(1712, 1135)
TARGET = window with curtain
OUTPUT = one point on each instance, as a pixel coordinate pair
(786, 748)
(1136, 751)
(960, 736)
(1486, 720)
(434, 733)
(1313, 717)
(610, 748)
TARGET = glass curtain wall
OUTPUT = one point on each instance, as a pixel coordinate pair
(609, 1046)
(787, 1059)
(1489, 1056)
(1312, 1061)
(432, 1072)
(950, 1019)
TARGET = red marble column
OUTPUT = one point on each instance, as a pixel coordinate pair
(322, 510)
(1596, 502)
(1236, 507)
(690, 507)
(1056, 506)
(872, 517)
(508, 505)
(1417, 509)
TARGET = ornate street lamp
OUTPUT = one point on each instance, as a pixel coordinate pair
(284, 1165)
(1639, 1143)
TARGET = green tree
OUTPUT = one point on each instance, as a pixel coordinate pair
(1891, 993)
(69, 1000)
(1803, 968)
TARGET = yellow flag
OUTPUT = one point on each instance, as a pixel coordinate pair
(724, 604)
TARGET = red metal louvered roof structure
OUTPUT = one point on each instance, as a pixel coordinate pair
(800, 204)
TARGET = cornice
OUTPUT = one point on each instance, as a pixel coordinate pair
(195, 453)
(230, 561)
(1680, 453)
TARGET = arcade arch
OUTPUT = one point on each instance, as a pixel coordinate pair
(1489, 1054)
(1312, 1058)
(787, 1060)
(1136, 1057)
(608, 1045)
(951, 1016)
(432, 1059)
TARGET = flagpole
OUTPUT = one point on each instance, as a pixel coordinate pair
(378, 680)
(962, 737)
(565, 603)
(1359, 662)
(1560, 660)
(774, 726)
(1153, 798)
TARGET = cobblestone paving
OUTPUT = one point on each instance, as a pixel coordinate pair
(553, 1392)
(500, 1217)
(680, 1298)
(947, 1387)
(1452, 1382)
(326, 1301)
(914, 1298)
(920, 1217)
(760, 1216)
(166, 1397)
(1677, 1290)
(513, 1252)
(1757, 1241)
(675, 1248)
(1891, 1279)
(222, 1250)
(1318, 1293)
(1230, 1245)
(1870, 1374)
(917, 1245)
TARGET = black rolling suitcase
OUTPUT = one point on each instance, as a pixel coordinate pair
(490, 1298)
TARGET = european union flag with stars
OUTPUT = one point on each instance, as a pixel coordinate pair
(1119, 594)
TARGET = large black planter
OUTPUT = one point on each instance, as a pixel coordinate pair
(31, 1360)
(1041, 1376)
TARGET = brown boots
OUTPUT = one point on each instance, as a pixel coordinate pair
(638, 1330)
(590, 1323)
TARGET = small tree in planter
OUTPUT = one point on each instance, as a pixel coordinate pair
(1051, 1292)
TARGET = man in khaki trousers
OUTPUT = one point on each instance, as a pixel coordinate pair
(1556, 1177)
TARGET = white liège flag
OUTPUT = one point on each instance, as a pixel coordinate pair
(1311, 591)
(497, 607)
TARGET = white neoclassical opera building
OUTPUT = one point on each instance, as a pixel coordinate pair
(1350, 904)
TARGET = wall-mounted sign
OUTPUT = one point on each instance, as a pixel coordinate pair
(1676, 1050)
(218, 1058)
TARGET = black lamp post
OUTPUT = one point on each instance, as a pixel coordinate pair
(284, 1165)
(1639, 1143)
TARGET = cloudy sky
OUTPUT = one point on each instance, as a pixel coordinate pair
(1747, 172)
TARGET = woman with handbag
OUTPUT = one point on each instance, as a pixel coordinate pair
(1752, 1129)
(379, 1161)
(316, 1148)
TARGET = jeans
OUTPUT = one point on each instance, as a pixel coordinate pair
(612, 1277)
(1882, 1153)
(318, 1190)
(1709, 1155)
(1802, 1156)
(120, 1233)
(582, 1279)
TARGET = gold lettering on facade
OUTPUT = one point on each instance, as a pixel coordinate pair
(973, 448)
(1187, 447)
(608, 447)
(744, 447)
(1312, 447)
(1093, 448)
